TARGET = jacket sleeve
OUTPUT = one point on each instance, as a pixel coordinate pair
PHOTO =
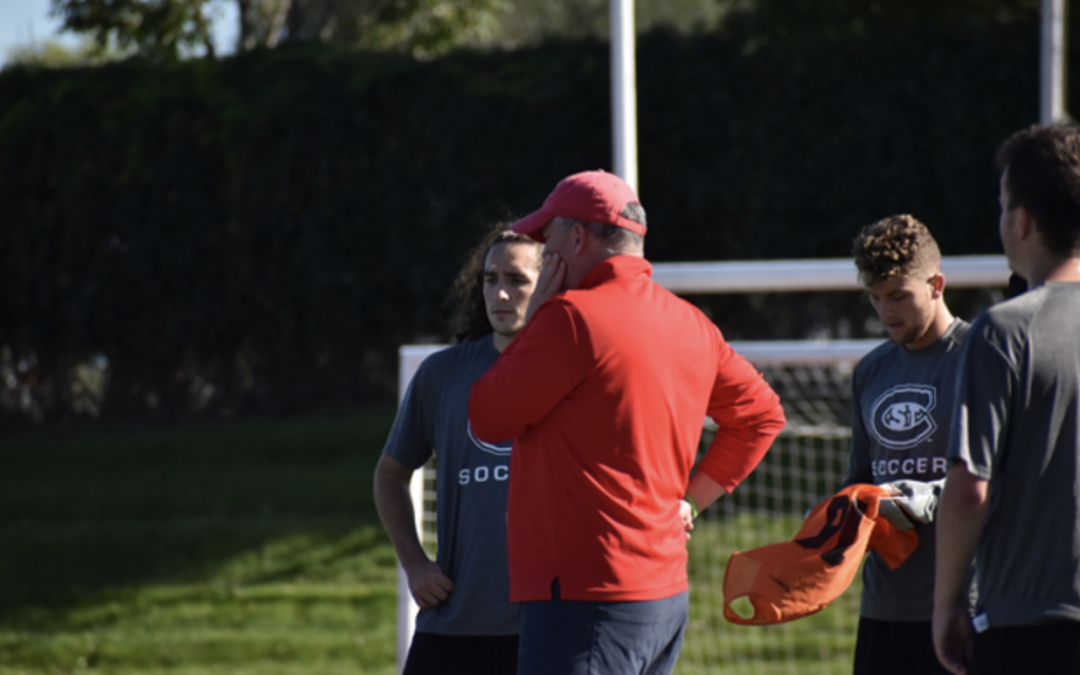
(750, 417)
(543, 364)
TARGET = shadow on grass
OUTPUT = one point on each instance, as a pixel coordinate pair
(296, 589)
(90, 518)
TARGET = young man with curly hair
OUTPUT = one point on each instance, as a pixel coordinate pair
(1012, 499)
(900, 423)
(466, 622)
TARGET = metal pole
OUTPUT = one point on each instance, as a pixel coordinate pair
(623, 91)
(406, 606)
(1052, 63)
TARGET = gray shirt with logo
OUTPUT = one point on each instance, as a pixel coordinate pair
(902, 409)
(1018, 427)
(472, 478)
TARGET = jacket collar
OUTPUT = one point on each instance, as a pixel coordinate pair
(617, 268)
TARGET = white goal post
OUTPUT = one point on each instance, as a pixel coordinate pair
(834, 274)
(722, 277)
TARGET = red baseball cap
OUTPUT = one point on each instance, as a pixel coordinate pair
(591, 197)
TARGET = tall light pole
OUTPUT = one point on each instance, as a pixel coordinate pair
(623, 91)
(1052, 63)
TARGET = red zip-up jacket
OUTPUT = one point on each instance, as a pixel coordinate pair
(604, 393)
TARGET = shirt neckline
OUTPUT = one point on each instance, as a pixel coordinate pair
(616, 268)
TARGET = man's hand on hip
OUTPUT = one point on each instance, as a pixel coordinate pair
(427, 583)
(686, 515)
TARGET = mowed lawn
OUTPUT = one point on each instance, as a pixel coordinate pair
(820, 644)
(248, 547)
(254, 547)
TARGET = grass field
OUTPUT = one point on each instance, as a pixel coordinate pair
(243, 548)
(254, 548)
(821, 644)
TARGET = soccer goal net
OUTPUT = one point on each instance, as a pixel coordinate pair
(808, 461)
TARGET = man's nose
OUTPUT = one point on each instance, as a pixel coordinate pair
(503, 294)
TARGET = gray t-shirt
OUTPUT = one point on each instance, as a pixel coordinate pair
(900, 422)
(1018, 427)
(472, 479)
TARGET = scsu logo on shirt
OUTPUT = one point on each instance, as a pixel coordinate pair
(483, 473)
(900, 418)
(498, 449)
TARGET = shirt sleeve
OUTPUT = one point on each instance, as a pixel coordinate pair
(410, 441)
(543, 364)
(987, 380)
(859, 470)
(749, 415)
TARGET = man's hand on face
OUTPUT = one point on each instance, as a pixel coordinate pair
(551, 282)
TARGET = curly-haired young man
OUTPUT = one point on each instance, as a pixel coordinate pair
(900, 424)
(467, 622)
(1012, 499)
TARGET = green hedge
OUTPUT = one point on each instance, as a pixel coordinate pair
(273, 225)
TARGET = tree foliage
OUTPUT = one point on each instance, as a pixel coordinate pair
(528, 22)
(55, 54)
(426, 28)
(799, 21)
(258, 234)
(419, 27)
(168, 28)
(156, 28)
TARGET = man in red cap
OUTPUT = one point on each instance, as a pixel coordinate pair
(604, 393)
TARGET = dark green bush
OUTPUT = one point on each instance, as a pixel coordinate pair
(257, 235)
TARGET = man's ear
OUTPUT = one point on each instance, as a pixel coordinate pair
(1025, 223)
(579, 238)
(937, 284)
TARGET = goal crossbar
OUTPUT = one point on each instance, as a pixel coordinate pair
(833, 274)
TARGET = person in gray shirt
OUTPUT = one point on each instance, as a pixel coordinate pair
(1012, 497)
(466, 619)
(900, 422)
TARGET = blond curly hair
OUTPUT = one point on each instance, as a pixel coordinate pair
(893, 247)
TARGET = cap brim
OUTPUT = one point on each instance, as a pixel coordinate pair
(533, 224)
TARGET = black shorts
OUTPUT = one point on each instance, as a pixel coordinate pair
(896, 648)
(432, 654)
(1044, 648)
